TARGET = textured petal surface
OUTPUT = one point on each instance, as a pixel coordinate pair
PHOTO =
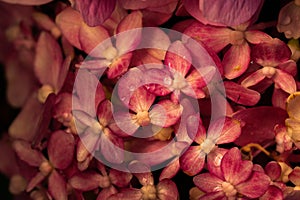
(61, 149)
(95, 12)
(224, 130)
(192, 161)
(208, 182)
(293, 103)
(273, 170)
(127, 194)
(236, 60)
(57, 186)
(256, 186)
(178, 58)
(167, 190)
(48, 60)
(240, 94)
(235, 170)
(165, 113)
(215, 38)
(271, 53)
(252, 118)
(285, 81)
(85, 181)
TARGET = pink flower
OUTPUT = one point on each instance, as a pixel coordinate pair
(95, 41)
(192, 161)
(237, 58)
(273, 56)
(178, 77)
(238, 178)
(59, 159)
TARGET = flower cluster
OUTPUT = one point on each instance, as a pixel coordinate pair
(147, 100)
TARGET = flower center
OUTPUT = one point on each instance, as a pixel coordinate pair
(96, 127)
(149, 192)
(44, 92)
(142, 118)
(179, 82)
(110, 53)
(269, 71)
(228, 189)
(45, 168)
(105, 182)
(207, 145)
(237, 37)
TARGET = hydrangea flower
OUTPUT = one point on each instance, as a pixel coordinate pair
(238, 178)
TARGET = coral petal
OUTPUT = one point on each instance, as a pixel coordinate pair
(236, 60)
(166, 189)
(192, 161)
(235, 170)
(178, 58)
(48, 60)
(285, 81)
(85, 181)
(208, 182)
(240, 94)
(256, 186)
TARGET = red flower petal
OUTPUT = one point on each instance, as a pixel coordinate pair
(48, 60)
(214, 159)
(256, 186)
(157, 81)
(57, 186)
(208, 182)
(273, 192)
(119, 66)
(104, 112)
(128, 41)
(91, 37)
(26, 153)
(213, 196)
(178, 58)
(236, 60)
(273, 170)
(60, 157)
(127, 194)
(87, 145)
(253, 118)
(170, 170)
(37, 179)
(165, 113)
(216, 38)
(105, 193)
(195, 129)
(95, 12)
(141, 100)
(253, 78)
(289, 66)
(256, 37)
(234, 169)
(240, 94)
(224, 130)
(70, 22)
(120, 179)
(166, 190)
(85, 181)
(271, 53)
(285, 81)
(192, 161)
